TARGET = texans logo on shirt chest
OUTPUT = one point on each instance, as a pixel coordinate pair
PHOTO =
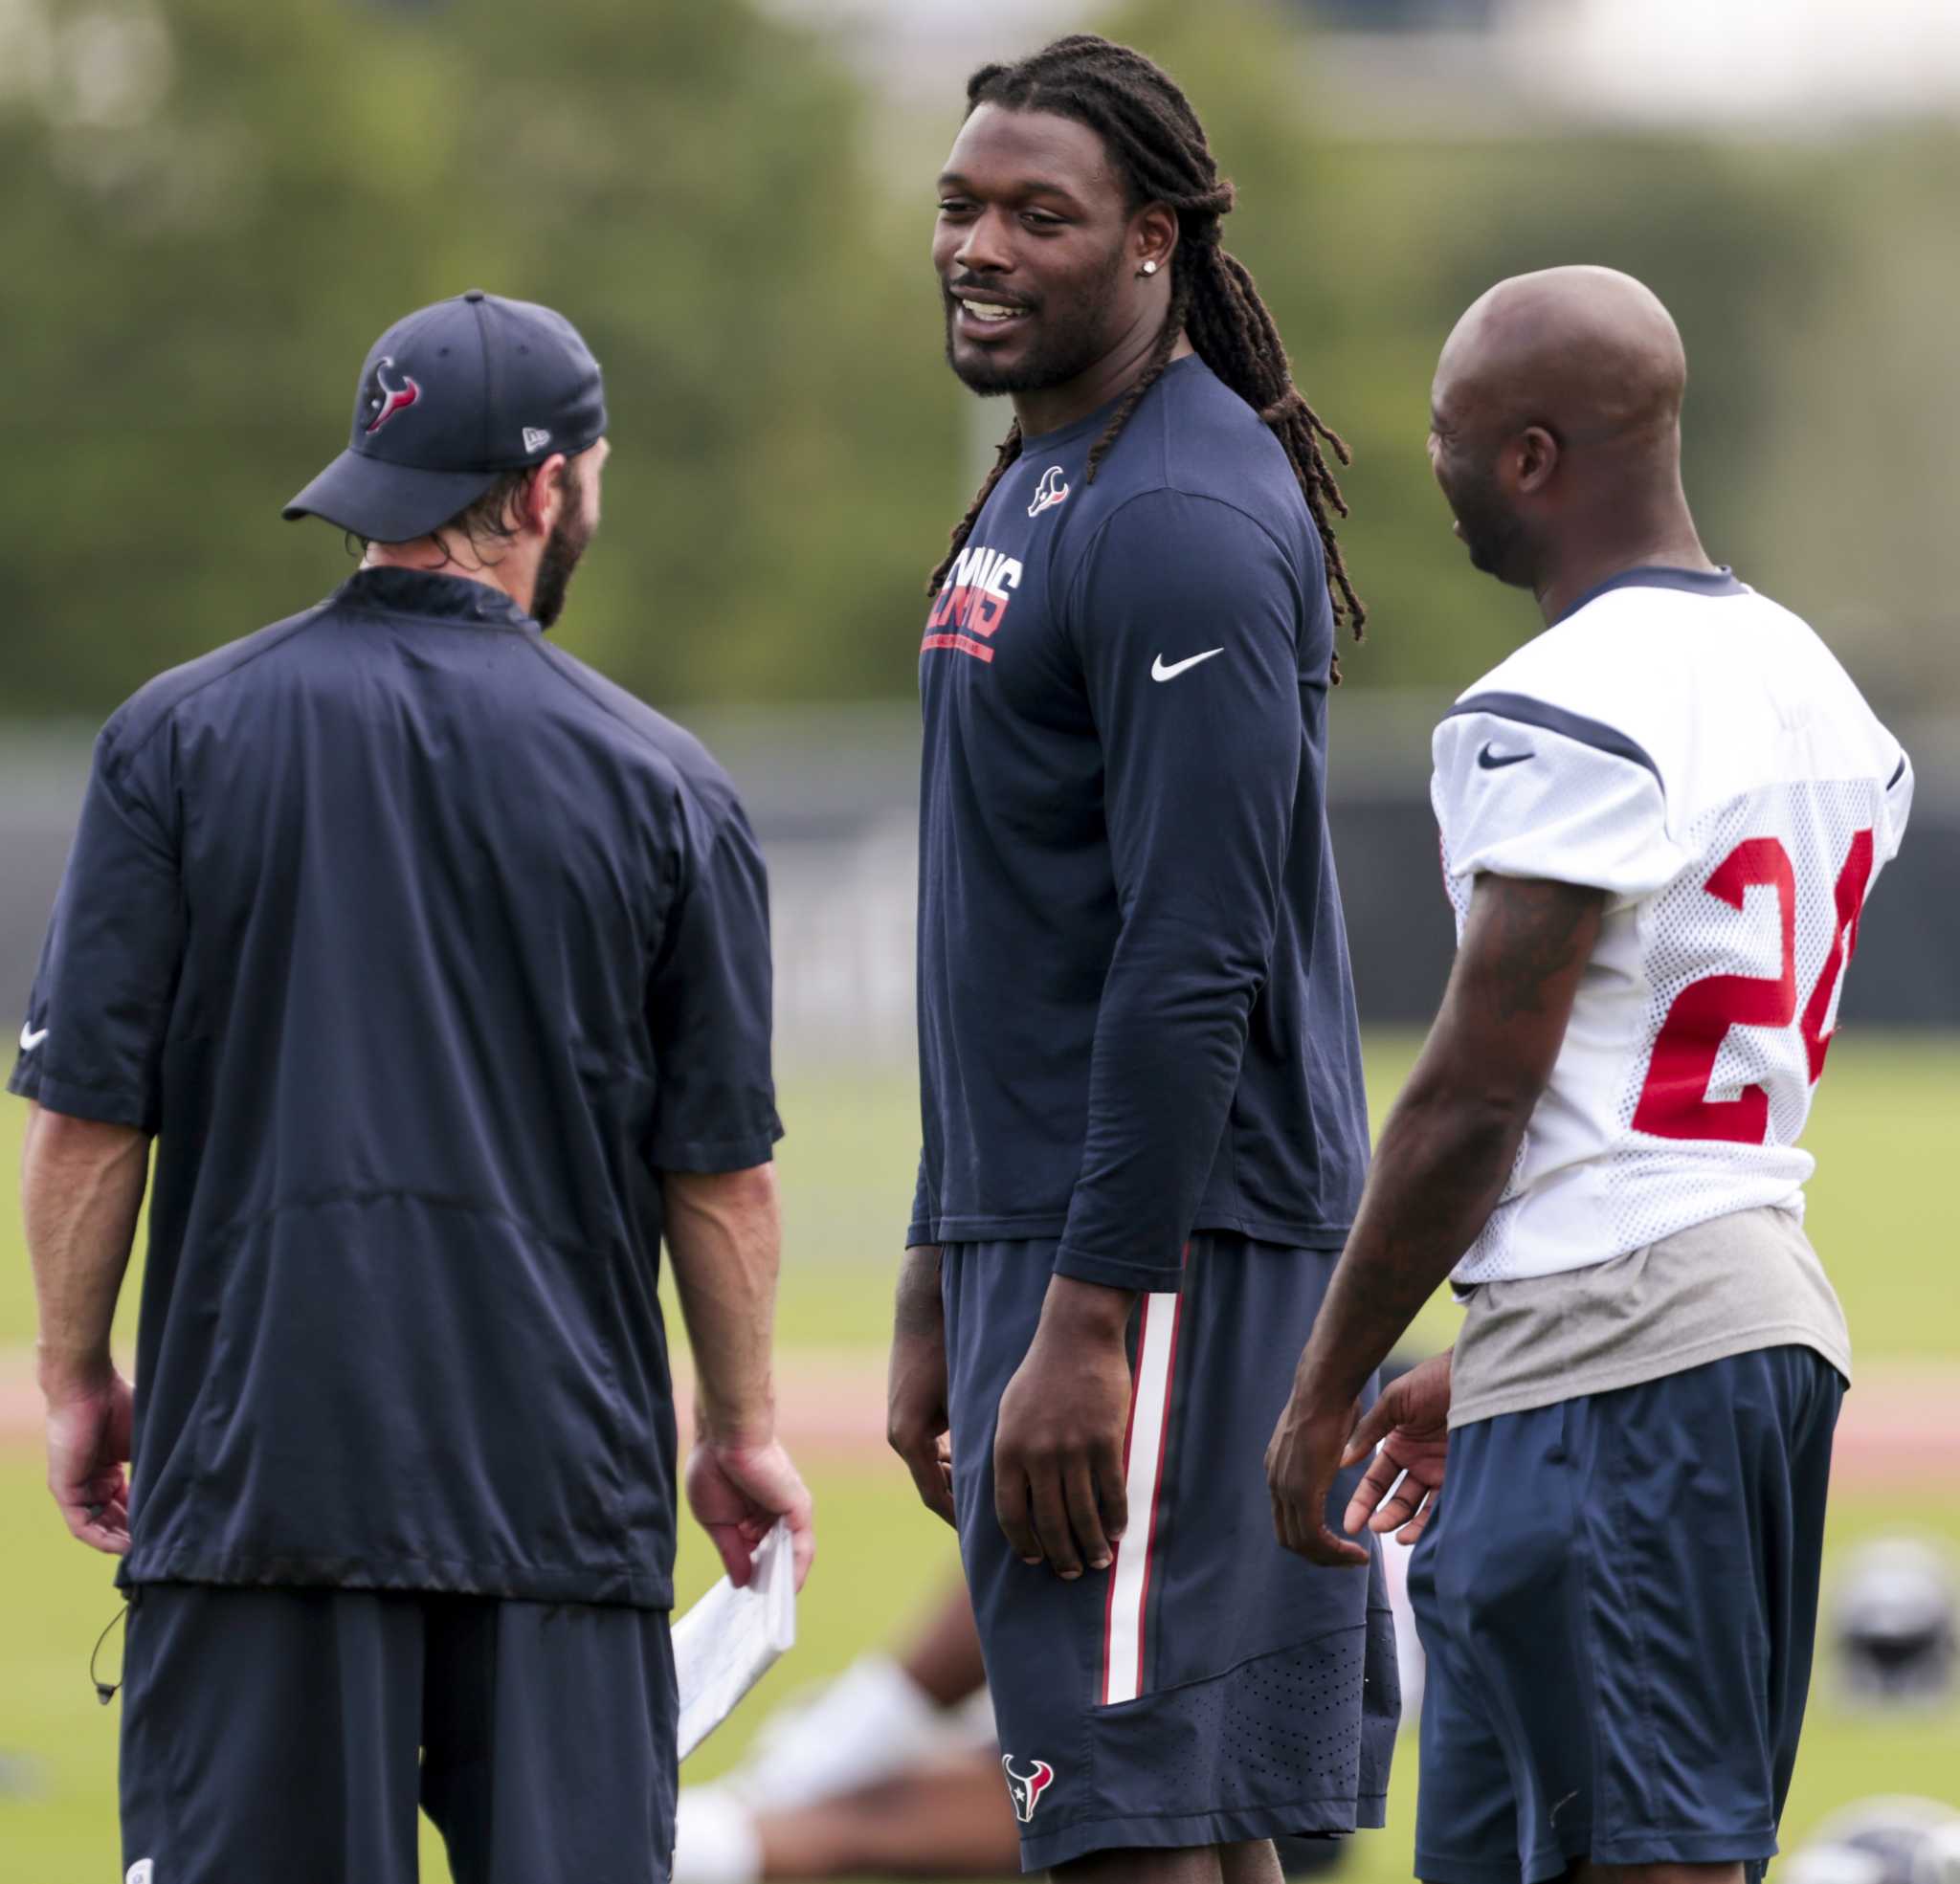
(973, 602)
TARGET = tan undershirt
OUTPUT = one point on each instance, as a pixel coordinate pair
(1730, 1286)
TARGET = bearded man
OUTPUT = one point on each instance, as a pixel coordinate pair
(437, 968)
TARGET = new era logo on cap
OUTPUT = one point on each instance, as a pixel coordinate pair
(536, 438)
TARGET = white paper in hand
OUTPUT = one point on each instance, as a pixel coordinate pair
(731, 1638)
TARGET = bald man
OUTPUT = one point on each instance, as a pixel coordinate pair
(1661, 819)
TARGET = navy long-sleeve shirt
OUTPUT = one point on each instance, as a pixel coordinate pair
(1135, 1013)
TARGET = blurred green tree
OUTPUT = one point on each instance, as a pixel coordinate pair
(212, 211)
(1368, 251)
(1863, 407)
(213, 205)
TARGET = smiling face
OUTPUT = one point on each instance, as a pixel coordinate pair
(1033, 249)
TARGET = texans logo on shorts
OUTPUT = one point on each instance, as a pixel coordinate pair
(1050, 492)
(1025, 1789)
(381, 401)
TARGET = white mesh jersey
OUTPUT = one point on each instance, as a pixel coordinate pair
(1696, 751)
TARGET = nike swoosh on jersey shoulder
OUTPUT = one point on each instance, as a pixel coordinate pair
(1529, 711)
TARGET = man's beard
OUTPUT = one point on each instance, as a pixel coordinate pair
(1074, 335)
(1493, 535)
(568, 541)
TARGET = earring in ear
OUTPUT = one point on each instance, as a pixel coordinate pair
(1148, 268)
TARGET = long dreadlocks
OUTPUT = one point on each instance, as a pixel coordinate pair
(1155, 139)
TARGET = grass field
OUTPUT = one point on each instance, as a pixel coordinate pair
(1883, 1127)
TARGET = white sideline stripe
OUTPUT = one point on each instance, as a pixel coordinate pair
(1123, 1652)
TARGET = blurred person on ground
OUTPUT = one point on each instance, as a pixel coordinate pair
(439, 970)
(1145, 1131)
(1660, 820)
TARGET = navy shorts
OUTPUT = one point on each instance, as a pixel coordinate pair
(291, 1734)
(1210, 1688)
(1618, 1599)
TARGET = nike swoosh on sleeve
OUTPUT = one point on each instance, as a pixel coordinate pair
(1159, 672)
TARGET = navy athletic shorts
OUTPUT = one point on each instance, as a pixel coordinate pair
(1618, 1599)
(1210, 1688)
(291, 1734)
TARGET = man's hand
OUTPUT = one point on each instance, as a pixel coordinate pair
(1414, 1412)
(81, 1185)
(737, 1493)
(916, 1416)
(723, 1234)
(88, 1447)
(1058, 1449)
(1307, 1451)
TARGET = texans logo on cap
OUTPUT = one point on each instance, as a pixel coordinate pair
(385, 401)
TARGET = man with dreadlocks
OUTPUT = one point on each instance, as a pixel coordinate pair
(1145, 1131)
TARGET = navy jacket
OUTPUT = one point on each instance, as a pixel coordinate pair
(1135, 1013)
(423, 949)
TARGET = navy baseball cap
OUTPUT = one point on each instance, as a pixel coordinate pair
(451, 398)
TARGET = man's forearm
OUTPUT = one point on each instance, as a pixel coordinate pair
(81, 1186)
(724, 1240)
(918, 1308)
(1447, 1148)
(1438, 1173)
